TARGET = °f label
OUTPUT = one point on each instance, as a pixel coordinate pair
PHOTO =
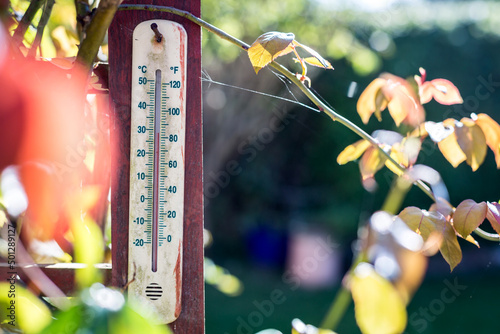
(157, 166)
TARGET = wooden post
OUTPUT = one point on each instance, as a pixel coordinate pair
(191, 319)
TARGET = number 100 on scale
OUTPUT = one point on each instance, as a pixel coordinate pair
(157, 166)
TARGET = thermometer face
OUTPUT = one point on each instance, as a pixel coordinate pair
(157, 166)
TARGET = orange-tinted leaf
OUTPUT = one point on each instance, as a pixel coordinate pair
(398, 107)
(269, 46)
(491, 130)
(449, 146)
(404, 105)
(316, 58)
(493, 215)
(472, 142)
(468, 216)
(353, 151)
(367, 105)
(442, 90)
(371, 162)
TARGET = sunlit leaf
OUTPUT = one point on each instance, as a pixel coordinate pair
(3, 217)
(316, 59)
(472, 142)
(378, 307)
(353, 151)
(422, 221)
(26, 311)
(89, 249)
(426, 223)
(468, 216)
(398, 106)
(371, 162)
(442, 90)
(268, 47)
(367, 102)
(491, 130)
(493, 215)
(438, 131)
(473, 241)
(404, 105)
(450, 148)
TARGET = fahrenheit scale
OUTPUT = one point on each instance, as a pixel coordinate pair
(157, 166)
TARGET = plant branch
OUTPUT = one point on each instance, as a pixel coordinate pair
(25, 22)
(95, 32)
(314, 99)
(41, 27)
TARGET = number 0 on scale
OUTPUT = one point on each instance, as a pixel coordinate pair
(157, 166)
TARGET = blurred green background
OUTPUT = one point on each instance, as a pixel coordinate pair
(264, 188)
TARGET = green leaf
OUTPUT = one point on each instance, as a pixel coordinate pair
(378, 307)
(468, 216)
(268, 47)
(21, 309)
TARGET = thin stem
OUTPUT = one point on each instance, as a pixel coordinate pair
(314, 99)
(337, 310)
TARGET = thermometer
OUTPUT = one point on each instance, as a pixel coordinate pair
(156, 207)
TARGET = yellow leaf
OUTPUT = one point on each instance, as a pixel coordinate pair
(491, 130)
(468, 216)
(398, 107)
(316, 58)
(89, 249)
(398, 157)
(449, 147)
(315, 62)
(471, 140)
(353, 151)
(27, 312)
(367, 103)
(423, 221)
(269, 46)
(378, 307)
(371, 162)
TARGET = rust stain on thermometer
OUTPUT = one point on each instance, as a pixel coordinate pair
(157, 167)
